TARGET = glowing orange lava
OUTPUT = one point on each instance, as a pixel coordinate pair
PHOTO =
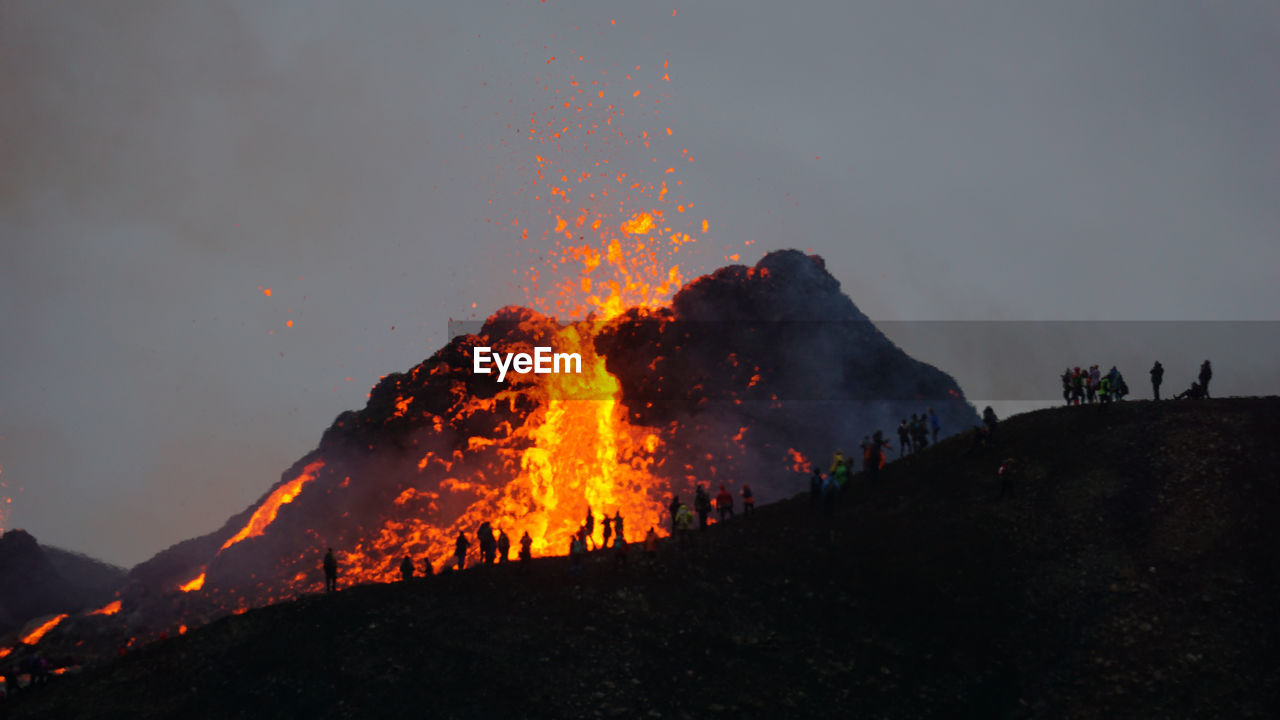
(194, 584)
(34, 636)
(266, 512)
(110, 608)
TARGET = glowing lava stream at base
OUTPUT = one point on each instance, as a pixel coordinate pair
(34, 636)
(266, 512)
(574, 450)
(586, 454)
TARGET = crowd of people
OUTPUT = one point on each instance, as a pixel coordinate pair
(682, 518)
(1080, 386)
(914, 436)
(1089, 385)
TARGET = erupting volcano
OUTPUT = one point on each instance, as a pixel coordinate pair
(746, 375)
(748, 372)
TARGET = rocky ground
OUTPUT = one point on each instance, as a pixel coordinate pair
(1134, 574)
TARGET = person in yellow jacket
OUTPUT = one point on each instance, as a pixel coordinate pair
(836, 461)
(684, 525)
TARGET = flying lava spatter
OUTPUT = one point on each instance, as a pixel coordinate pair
(598, 188)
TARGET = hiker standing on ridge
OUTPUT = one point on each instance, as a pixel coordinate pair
(840, 475)
(934, 425)
(748, 500)
(989, 418)
(1157, 377)
(873, 456)
(1066, 386)
(406, 569)
(608, 529)
(702, 506)
(902, 437)
(487, 543)
(460, 549)
(920, 433)
(618, 535)
(724, 503)
(1206, 373)
(504, 546)
(815, 485)
(526, 547)
(651, 544)
(684, 526)
(588, 528)
(330, 571)
(836, 459)
(674, 507)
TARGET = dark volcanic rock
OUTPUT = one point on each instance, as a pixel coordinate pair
(36, 581)
(1133, 574)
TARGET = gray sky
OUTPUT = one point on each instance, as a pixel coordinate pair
(159, 162)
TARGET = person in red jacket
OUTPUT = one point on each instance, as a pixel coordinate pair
(724, 503)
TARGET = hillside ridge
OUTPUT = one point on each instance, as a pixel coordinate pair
(1133, 574)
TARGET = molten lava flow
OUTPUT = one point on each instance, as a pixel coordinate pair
(585, 455)
(110, 608)
(193, 584)
(34, 636)
(266, 512)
